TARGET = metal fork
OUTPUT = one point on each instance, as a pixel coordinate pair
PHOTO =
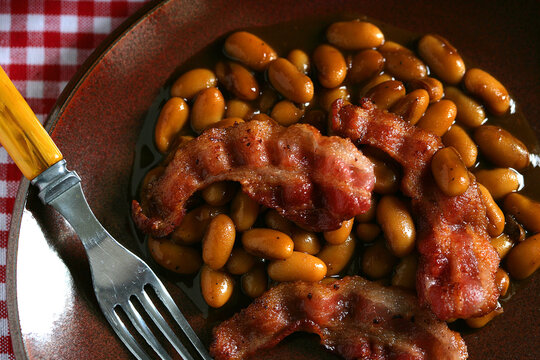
(119, 277)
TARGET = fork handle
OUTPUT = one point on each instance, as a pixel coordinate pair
(21, 133)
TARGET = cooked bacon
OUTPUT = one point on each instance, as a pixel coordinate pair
(457, 266)
(355, 318)
(313, 180)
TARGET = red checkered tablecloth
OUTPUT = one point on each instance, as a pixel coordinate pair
(42, 43)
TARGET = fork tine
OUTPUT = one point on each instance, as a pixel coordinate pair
(123, 333)
(163, 326)
(141, 327)
(167, 300)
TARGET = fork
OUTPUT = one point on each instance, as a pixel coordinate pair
(119, 277)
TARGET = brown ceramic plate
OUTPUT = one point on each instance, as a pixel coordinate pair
(53, 313)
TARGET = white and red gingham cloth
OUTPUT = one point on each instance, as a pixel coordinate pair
(42, 43)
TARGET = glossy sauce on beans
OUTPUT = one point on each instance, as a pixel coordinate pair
(307, 35)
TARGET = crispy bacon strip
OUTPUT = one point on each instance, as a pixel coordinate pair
(456, 274)
(313, 180)
(355, 318)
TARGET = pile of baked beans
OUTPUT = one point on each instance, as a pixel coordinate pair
(234, 242)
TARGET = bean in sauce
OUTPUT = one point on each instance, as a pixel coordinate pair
(365, 69)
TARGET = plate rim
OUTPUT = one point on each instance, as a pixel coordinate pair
(147, 9)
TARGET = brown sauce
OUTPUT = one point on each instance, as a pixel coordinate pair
(306, 35)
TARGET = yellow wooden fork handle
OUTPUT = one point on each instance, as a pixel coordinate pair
(21, 133)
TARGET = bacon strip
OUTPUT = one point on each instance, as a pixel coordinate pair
(355, 318)
(313, 180)
(456, 273)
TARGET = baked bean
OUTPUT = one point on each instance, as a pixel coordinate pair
(261, 117)
(300, 59)
(412, 106)
(240, 261)
(401, 62)
(328, 96)
(374, 82)
(192, 82)
(442, 58)
(397, 225)
(438, 117)
(367, 232)
(377, 261)
(218, 193)
(365, 65)
(237, 108)
(255, 282)
(449, 172)
(337, 257)
(525, 210)
(458, 138)
(500, 182)
(386, 94)
(502, 244)
(502, 280)
(405, 272)
(218, 241)
(174, 257)
(267, 99)
(244, 211)
(275, 221)
(225, 123)
(237, 80)
(290, 82)
(433, 86)
(172, 118)
(306, 241)
(501, 147)
(208, 108)
(180, 141)
(267, 243)
(216, 286)
(340, 235)
(469, 112)
(386, 178)
(370, 214)
(524, 258)
(250, 50)
(392, 46)
(331, 66)
(286, 113)
(298, 266)
(481, 321)
(488, 89)
(493, 212)
(515, 231)
(193, 226)
(354, 35)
